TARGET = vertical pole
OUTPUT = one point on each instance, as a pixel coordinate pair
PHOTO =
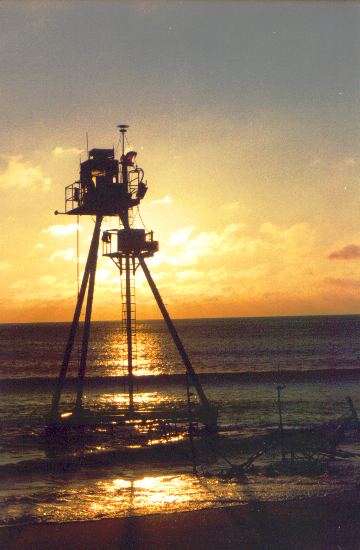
(73, 329)
(281, 427)
(211, 420)
(129, 334)
(193, 454)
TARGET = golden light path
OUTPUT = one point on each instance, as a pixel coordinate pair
(89, 497)
(144, 398)
(153, 354)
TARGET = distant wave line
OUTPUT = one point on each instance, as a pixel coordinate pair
(180, 379)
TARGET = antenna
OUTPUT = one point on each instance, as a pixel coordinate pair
(122, 130)
(87, 145)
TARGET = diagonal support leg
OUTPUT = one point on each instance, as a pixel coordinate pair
(90, 261)
(86, 333)
(210, 412)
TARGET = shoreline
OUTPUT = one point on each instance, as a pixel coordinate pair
(316, 523)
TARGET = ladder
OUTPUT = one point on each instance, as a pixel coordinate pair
(128, 317)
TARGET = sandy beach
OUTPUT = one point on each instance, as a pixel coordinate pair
(329, 523)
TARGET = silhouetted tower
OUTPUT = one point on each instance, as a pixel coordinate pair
(108, 187)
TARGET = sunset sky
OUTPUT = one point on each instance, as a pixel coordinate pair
(245, 117)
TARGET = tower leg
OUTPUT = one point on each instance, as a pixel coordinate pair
(67, 354)
(86, 333)
(210, 413)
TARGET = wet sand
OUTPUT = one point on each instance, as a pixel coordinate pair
(329, 523)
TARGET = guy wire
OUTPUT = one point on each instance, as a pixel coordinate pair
(117, 147)
(142, 219)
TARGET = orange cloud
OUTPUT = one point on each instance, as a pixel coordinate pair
(349, 252)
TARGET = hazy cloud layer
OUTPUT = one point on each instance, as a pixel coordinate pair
(4, 265)
(60, 230)
(343, 283)
(165, 200)
(61, 151)
(66, 255)
(22, 175)
(181, 236)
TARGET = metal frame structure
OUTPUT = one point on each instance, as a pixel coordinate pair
(108, 187)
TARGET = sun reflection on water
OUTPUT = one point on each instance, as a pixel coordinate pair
(109, 493)
(143, 401)
(122, 496)
(147, 399)
(155, 493)
(150, 356)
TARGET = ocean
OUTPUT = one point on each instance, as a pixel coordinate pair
(241, 363)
